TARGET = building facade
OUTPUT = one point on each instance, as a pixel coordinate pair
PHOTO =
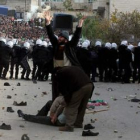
(105, 7)
(21, 6)
(79, 5)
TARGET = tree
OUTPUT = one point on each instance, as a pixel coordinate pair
(120, 26)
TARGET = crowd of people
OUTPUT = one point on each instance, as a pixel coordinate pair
(74, 65)
(110, 62)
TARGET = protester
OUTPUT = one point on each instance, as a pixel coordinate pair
(63, 49)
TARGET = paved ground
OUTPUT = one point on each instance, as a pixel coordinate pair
(121, 121)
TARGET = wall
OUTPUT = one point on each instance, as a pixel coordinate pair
(124, 5)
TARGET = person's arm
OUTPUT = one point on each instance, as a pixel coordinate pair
(56, 108)
(76, 36)
(49, 29)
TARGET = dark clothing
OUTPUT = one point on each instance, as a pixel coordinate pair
(45, 109)
(125, 58)
(5, 54)
(84, 58)
(41, 120)
(71, 79)
(94, 60)
(15, 61)
(69, 47)
(113, 70)
(24, 63)
(136, 65)
(101, 62)
(40, 58)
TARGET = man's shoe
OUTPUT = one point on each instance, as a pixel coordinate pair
(6, 84)
(89, 133)
(9, 97)
(20, 104)
(66, 128)
(20, 113)
(9, 109)
(5, 127)
(88, 126)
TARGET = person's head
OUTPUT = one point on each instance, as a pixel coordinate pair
(39, 42)
(44, 43)
(63, 37)
(10, 44)
(98, 44)
(26, 45)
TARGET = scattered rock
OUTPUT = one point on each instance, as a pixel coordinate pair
(109, 89)
(35, 96)
(22, 126)
(115, 131)
(45, 93)
(25, 137)
(3, 108)
(97, 94)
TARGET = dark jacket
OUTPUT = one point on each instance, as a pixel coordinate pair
(69, 48)
(137, 56)
(40, 53)
(71, 79)
(5, 53)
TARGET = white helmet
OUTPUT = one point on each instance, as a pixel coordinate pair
(124, 42)
(27, 45)
(130, 47)
(50, 44)
(98, 43)
(44, 43)
(87, 41)
(39, 42)
(85, 45)
(114, 45)
(10, 44)
(15, 41)
(108, 45)
(3, 40)
(139, 44)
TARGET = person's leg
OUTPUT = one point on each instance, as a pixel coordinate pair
(38, 119)
(45, 109)
(17, 71)
(55, 92)
(81, 110)
(12, 69)
(6, 68)
(76, 108)
(1, 68)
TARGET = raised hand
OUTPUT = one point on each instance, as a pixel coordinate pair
(48, 17)
(80, 24)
